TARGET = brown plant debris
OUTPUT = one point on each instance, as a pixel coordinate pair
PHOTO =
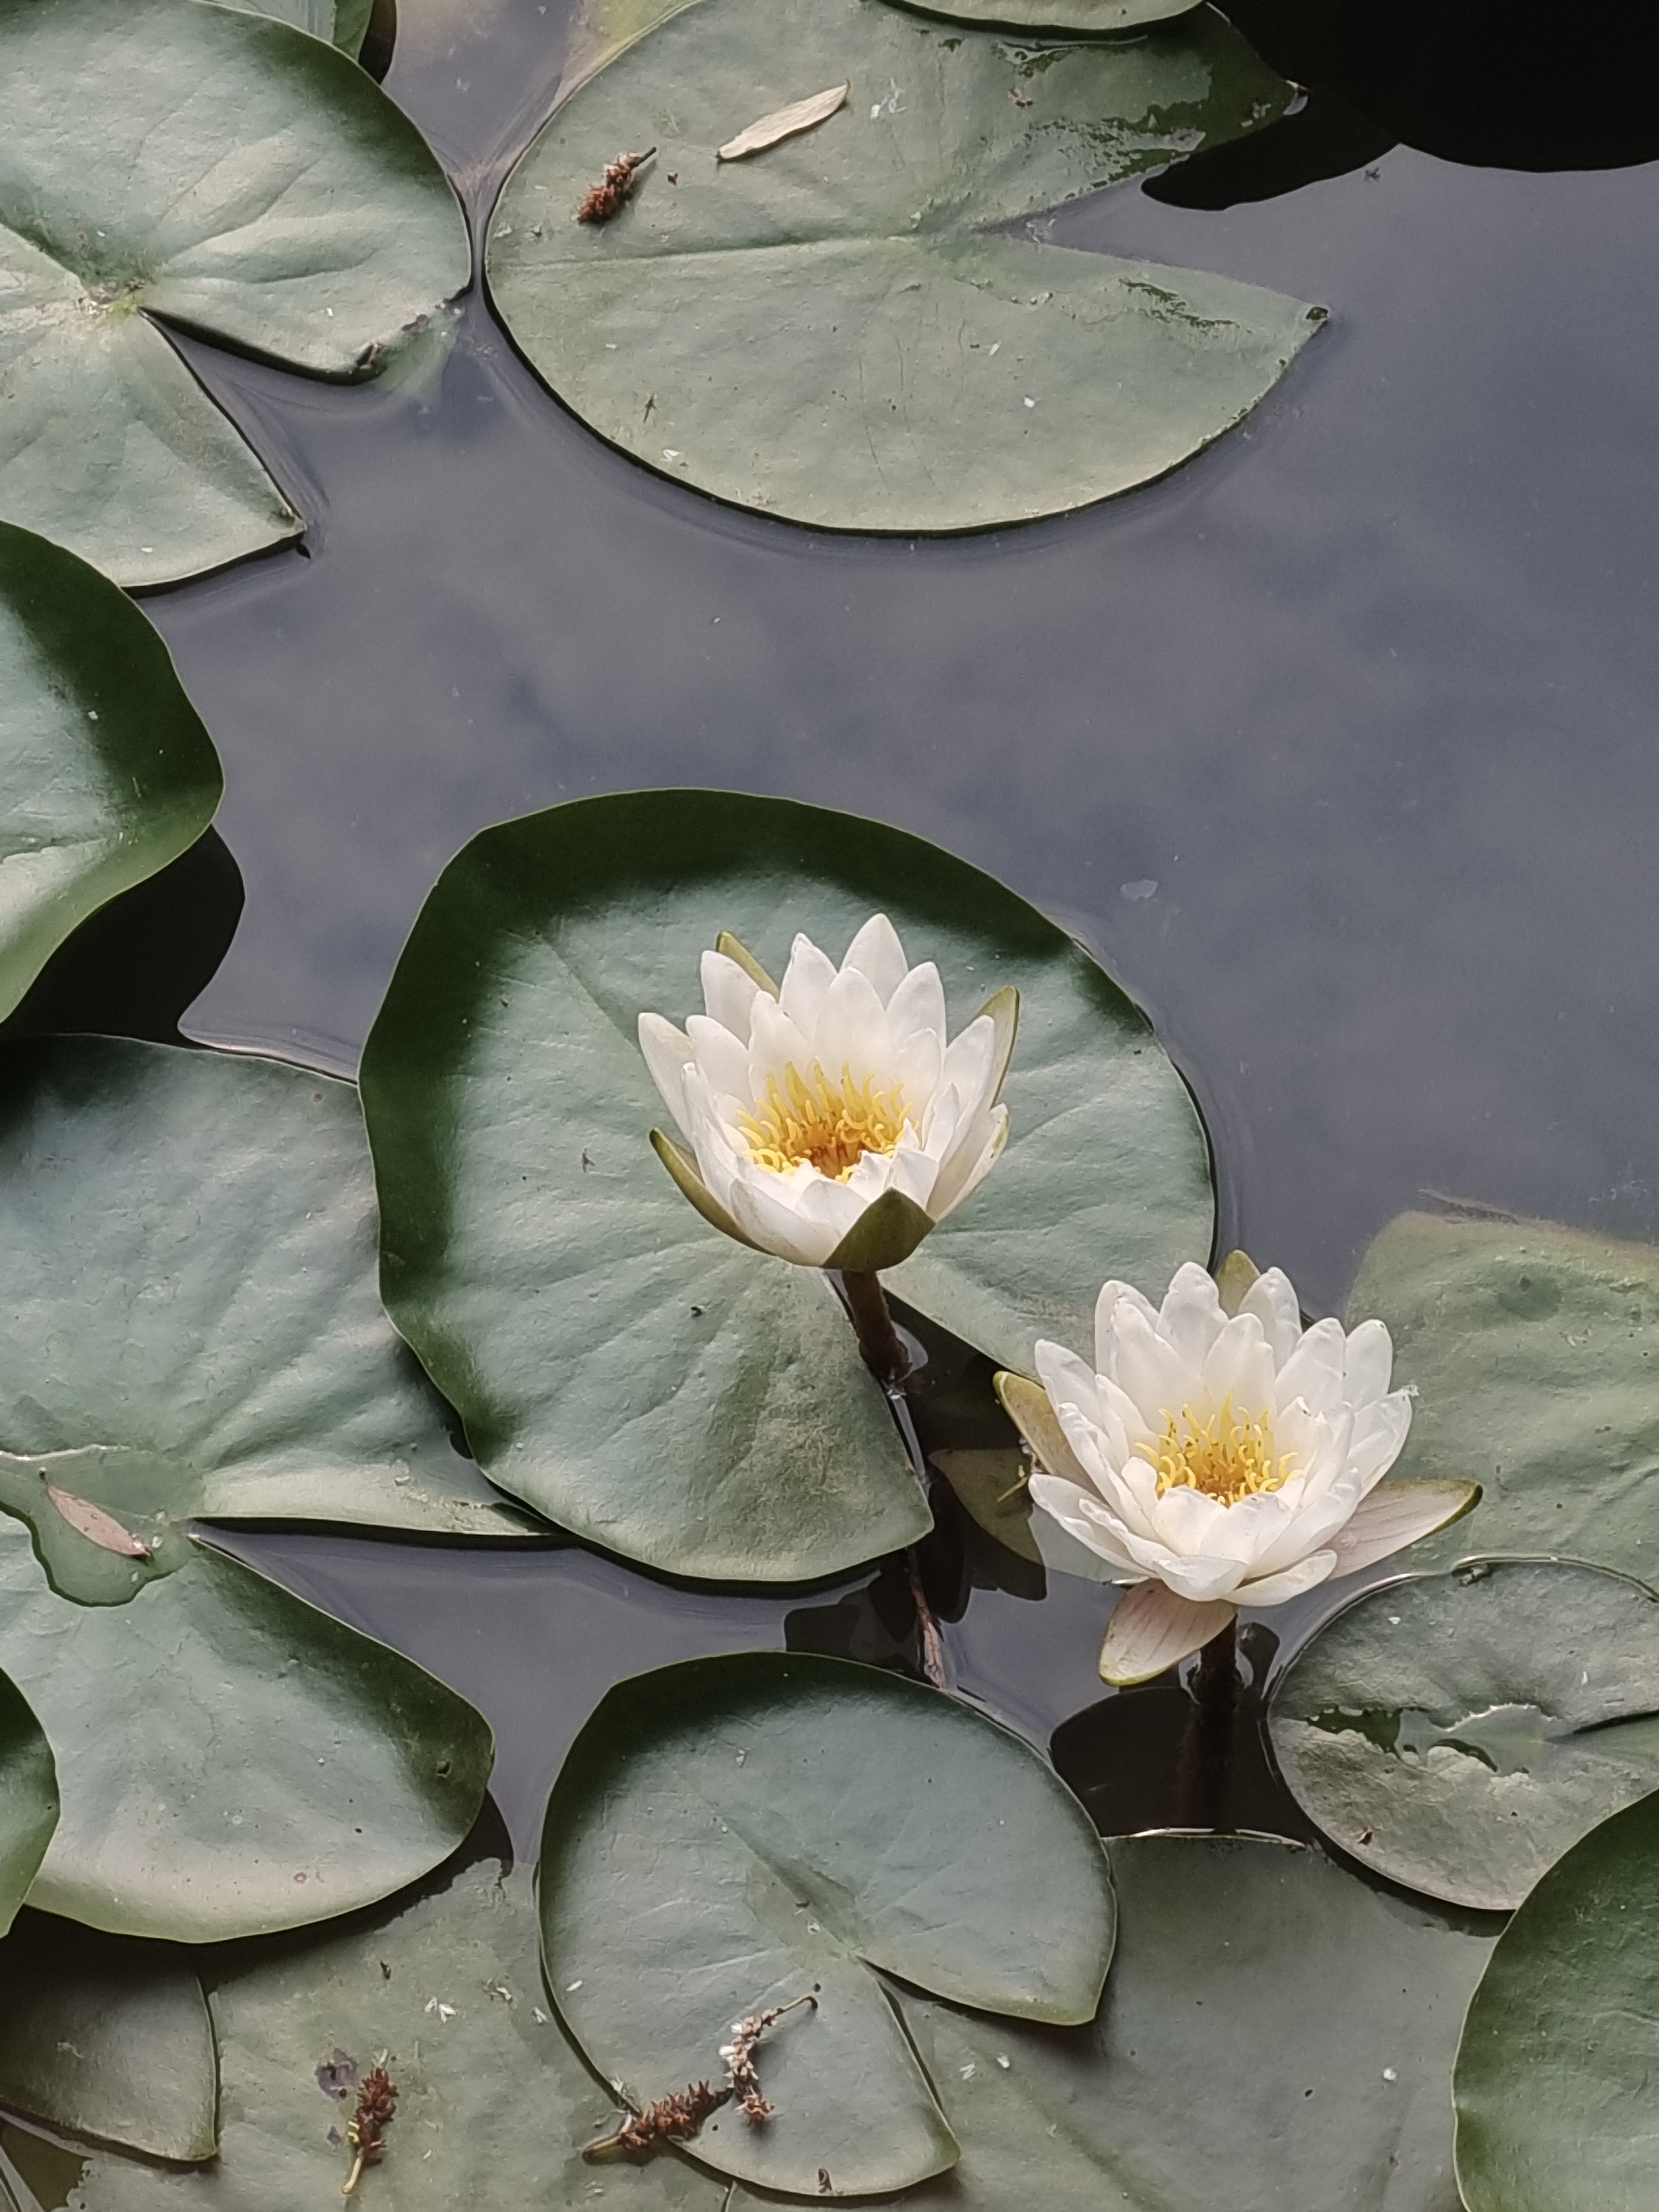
(377, 2103)
(614, 189)
(739, 2057)
(678, 2117)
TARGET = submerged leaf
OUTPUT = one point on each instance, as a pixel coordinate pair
(28, 1798)
(784, 122)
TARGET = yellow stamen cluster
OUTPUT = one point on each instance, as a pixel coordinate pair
(1227, 1458)
(828, 1125)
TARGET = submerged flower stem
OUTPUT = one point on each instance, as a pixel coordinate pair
(879, 1341)
(1206, 1742)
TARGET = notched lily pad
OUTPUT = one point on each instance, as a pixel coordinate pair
(1533, 1349)
(736, 1833)
(1457, 1733)
(343, 23)
(167, 161)
(621, 1364)
(835, 332)
(91, 1554)
(28, 1798)
(107, 2039)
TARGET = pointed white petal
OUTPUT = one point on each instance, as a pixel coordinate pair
(1190, 1318)
(876, 952)
(1116, 1298)
(1067, 1379)
(1240, 1367)
(1027, 1405)
(852, 1031)
(1153, 1629)
(917, 1007)
(1142, 1364)
(667, 1054)
(1198, 1578)
(1369, 1363)
(1273, 1301)
(767, 1218)
(1290, 1582)
(1379, 1437)
(806, 981)
(961, 1175)
(775, 1044)
(970, 1062)
(1397, 1514)
(1063, 1502)
(729, 993)
(1314, 1370)
(723, 1059)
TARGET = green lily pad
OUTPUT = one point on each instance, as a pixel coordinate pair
(169, 161)
(1457, 1733)
(620, 1364)
(1554, 2087)
(830, 331)
(1274, 2034)
(493, 2104)
(107, 2039)
(1057, 18)
(106, 771)
(343, 23)
(1532, 1348)
(187, 1272)
(28, 1798)
(991, 1483)
(736, 1833)
(230, 1759)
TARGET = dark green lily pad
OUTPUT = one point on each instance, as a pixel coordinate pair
(1275, 2034)
(1533, 1349)
(106, 2039)
(187, 1272)
(1554, 2086)
(620, 1364)
(167, 160)
(829, 331)
(1057, 18)
(342, 22)
(735, 1833)
(1458, 1732)
(230, 1759)
(493, 2104)
(28, 1798)
(106, 771)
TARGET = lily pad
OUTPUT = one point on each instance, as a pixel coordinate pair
(230, 1759)
(991, 1484)
(620, 1364)
(493, 2104)
(1057, 18)
(832, 333)
(736, 1833)
(28, 1798)
(107, 2039)
(1554, 2086)
(217, 171)
(1274, 2034)
(106, 771)
(1457, 1733)
(187, 1272)
(343, 23)
(1533, 1349)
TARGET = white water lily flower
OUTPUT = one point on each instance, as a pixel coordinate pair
(829, 1121)
(1221, 1460)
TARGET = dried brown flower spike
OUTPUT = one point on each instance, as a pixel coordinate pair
(674, 2119)
(377, 2101)
(739, 2057)
(615, 188)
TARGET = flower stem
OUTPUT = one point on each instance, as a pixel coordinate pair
(1207, 1741)
(883, 1346)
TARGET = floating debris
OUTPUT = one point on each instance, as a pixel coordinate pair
(377, 2103)
(784, 122)
(614, 189)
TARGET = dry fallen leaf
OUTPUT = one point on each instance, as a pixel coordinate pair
(98, 1526)
(784, 122)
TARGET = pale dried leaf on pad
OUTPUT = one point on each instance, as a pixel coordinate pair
(98, 1526)
(784, 122)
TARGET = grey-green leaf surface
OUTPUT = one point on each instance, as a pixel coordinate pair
(734, 1834)
(620, 1364)
(231, 1760)
(214, 170)
(28, 1798)
(106, 2039)
(1058, 19)
(187, 1269)
(1532, 1348)
(106, 771)
(1457, 1733)
(830, 331)
(1275, 2037)
(1555, 2078)
(342, 22)
(493, 2104)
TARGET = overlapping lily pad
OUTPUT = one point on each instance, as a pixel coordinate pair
(187, 1272)
(1058, 18)
(493, 2104)
(230, 1759)
(622, 1365)
(214, 170)
(735, 1833)
(342, 22)
(28, 1798)
(1274, 2034)
(1532, 1348)
(1459, 1732)
(106, 2039)
(831, 331)
(106, 771)
(1555, 2078)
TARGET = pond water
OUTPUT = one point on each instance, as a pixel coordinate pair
(1336, 747)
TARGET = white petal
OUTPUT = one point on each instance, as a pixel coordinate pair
(1273, 1589)
(1308, 1531)
(1114, 1295)
(1152, 1630)
(1314, 1370)
(667, 1054)
(1067, 1379)
(1379, 1437)
(916, 1009)
(876, 952)
(805, 980)
(1368, 1364)
(1240, 1366)
(1200, 1579)
(723, 1059)
(767, 1217)
(853, 1032)
(1187, 1520)
(775, 1044)
(729, 993)
(1190, 1317)
(1398, 1514)
(1142, 1364)
(961, 1175)
(1063, 1502)
(1273, 1301)
(970, 1062)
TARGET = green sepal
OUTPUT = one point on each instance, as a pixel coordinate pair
(684, 1170)
(884, 1234)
